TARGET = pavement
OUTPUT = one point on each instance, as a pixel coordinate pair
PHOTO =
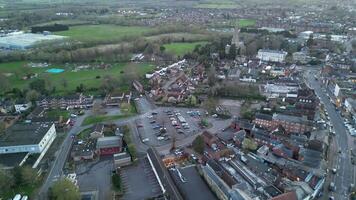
(342, 162)
(61, 156)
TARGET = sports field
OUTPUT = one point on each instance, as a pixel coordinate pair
(101, 33)
(90, 78)
(181, 48)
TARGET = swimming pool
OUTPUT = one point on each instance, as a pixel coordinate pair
(55, 70)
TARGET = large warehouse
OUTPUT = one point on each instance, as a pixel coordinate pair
(24, 139)
(22, 41)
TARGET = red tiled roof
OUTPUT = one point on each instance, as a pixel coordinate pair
(286, 196)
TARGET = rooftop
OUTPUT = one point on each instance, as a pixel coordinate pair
(24, 134)
(108, 142)
(193, 183)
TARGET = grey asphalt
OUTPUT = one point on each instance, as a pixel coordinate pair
(61, 156)
(345, 175)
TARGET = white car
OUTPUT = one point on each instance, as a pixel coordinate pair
(146, 140)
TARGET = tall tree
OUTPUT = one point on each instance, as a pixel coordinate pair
(198, 144)
(64, 189)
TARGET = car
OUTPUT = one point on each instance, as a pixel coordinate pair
(332, 187)
(154, 113)
(145, 140)
(153, 121)
(139, 125)
(156, 126)
(334, 170)
(180, 132)
(160, 138)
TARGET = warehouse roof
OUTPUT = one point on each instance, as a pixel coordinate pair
(24, 134)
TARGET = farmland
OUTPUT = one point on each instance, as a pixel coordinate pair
(181, 48)
(90, 78)
(99, 33)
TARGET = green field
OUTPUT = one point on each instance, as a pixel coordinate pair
(100, 33)
(16, 70)
(222, 4)
(246, 22)
(182, 48)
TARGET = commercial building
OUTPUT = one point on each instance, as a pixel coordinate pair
(22, 41)
(271, 55)
(109, 145)
(26, 139)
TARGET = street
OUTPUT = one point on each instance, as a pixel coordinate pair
(345, 175)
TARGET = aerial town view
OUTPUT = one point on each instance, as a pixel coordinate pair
(177, 99)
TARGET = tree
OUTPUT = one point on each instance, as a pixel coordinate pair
(6, 181)
(29, 175)
(249, 144)
(39, 85)
(232, 52)
(162, 48)
(32, 95)
(310, 41)
(64, 189)
(198, 144)
(210, 105)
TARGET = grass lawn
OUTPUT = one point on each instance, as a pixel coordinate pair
(246, 22)
(16, 70)
(181, 48)
(98, 33)
(58, 113)
(103, 118)
(84, 134)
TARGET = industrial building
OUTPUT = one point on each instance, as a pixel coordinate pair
(27, 138)
(22, 41)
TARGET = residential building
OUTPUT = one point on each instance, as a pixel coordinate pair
(73, 101)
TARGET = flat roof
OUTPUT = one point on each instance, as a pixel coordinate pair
(194, 188)
(11, 160)
(24, 134)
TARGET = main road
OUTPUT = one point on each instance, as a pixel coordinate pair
(345, 170)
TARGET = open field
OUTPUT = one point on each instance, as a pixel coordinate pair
(223, 4)
(246, 22)
(98, 33)
(88, 77)
(178, 37)
(181, 48)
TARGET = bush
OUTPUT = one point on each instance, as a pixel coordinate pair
(116, 181)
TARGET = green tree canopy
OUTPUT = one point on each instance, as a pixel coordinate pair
(64, 189)
(198, 144)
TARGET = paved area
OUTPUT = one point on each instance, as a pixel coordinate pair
(96, 175)
(139, 181)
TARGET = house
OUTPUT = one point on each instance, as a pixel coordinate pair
(209, 139)
(109, 145)
(73, 101)
(97, 131)
(114, 99)
(22, 107)
(271, 55)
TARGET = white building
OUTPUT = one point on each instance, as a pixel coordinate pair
(19, 108)
(30, 137)
(271, 55)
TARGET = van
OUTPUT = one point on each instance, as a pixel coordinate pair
(17, 197)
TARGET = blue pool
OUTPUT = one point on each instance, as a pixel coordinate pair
(55, 70)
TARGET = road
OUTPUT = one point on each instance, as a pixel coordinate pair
(345, 170)
(61, 155)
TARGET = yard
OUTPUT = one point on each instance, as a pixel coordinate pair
(100, 33)
(90, 78)
(182, 48)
